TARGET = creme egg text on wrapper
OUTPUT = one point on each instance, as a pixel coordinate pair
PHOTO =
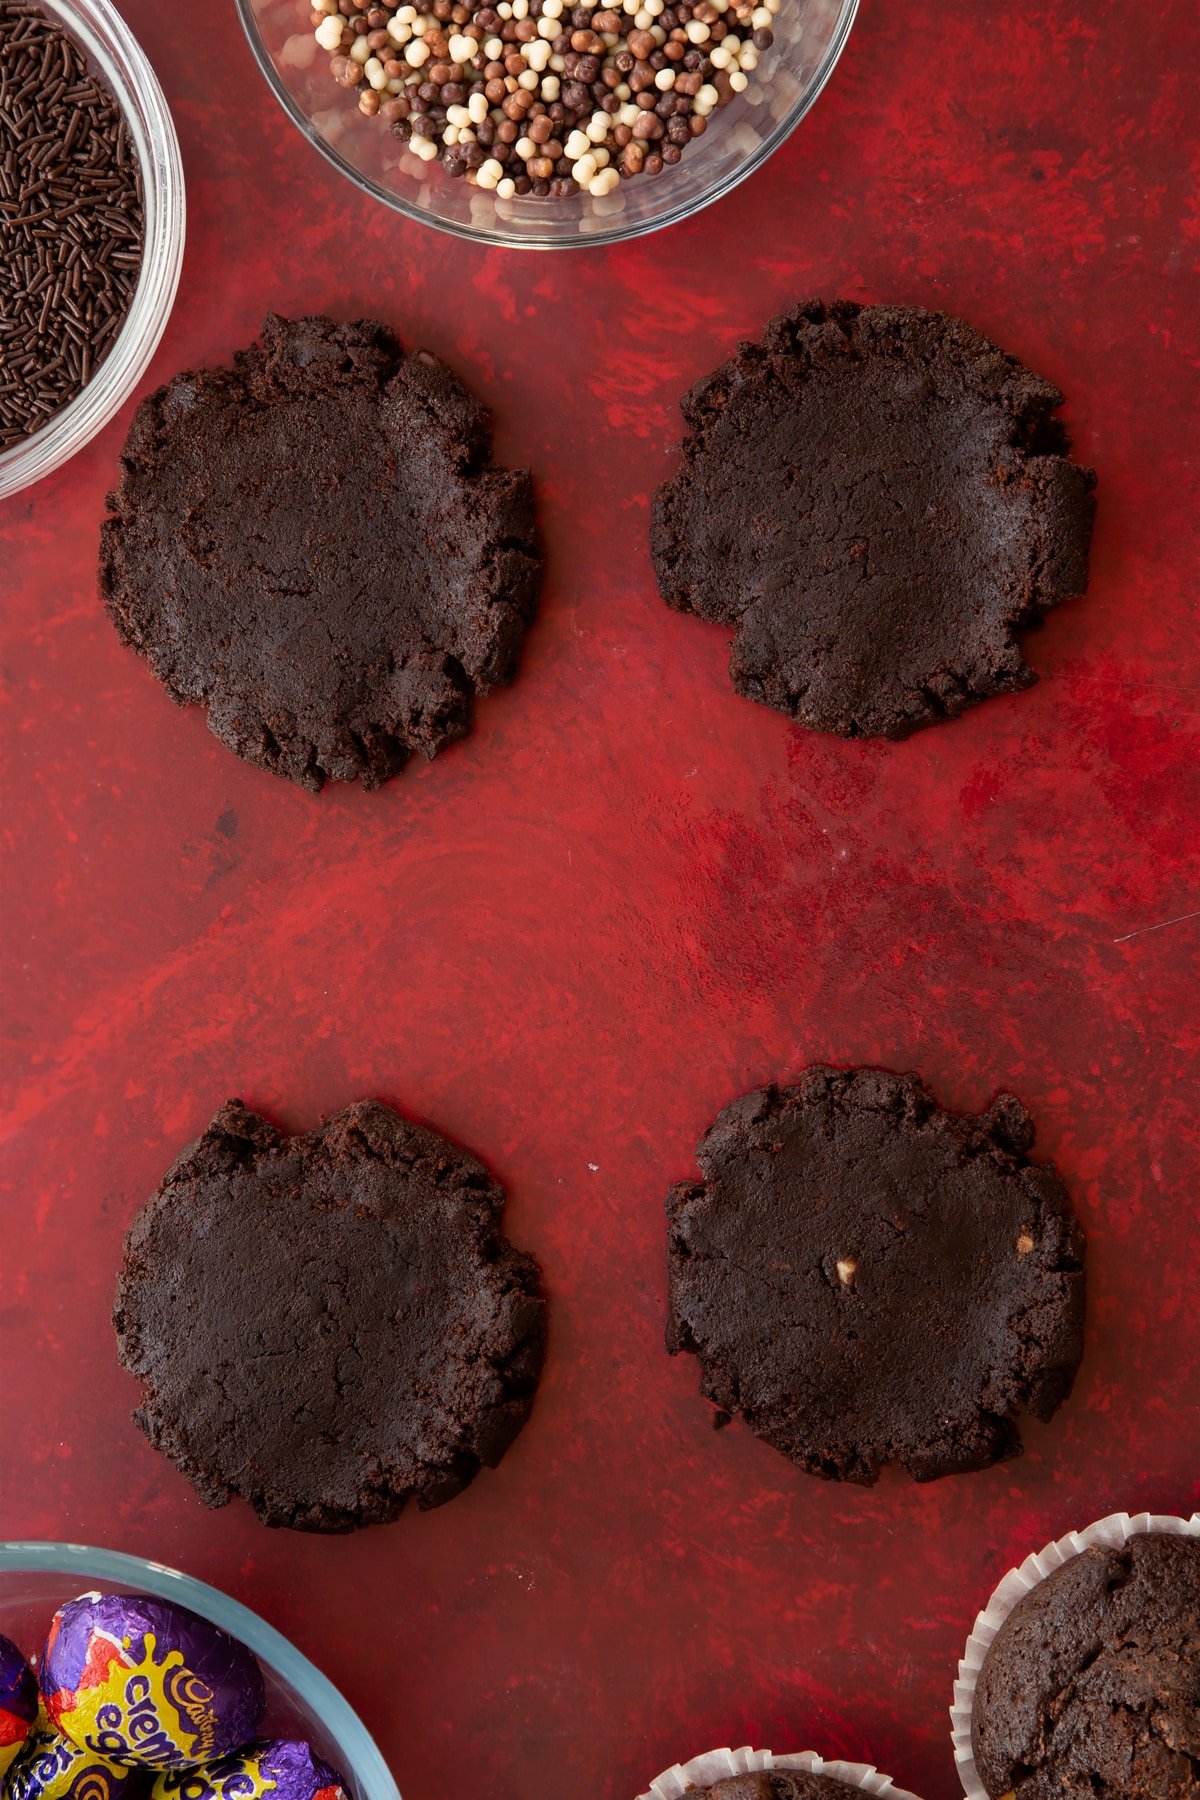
(18, 1703)
(278, 1768)
(146, 1682)
(50, 1767)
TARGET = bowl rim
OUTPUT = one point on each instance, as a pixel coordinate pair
(369, 1773)
(505, 240)
(124, 66)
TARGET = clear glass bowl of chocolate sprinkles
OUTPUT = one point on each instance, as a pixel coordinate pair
(547, 124)
(91, 227)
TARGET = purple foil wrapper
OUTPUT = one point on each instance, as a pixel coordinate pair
(145, 1682)
(50, 1767)
(274, 1769)
(18, 1702)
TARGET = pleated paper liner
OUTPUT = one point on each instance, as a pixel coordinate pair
(1110, 1534)
(718, 1765)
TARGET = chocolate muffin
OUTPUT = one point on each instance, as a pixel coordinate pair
(315, 546)
(878, 500)
(1091, 1688)
(328, 1325)
(866, 1278)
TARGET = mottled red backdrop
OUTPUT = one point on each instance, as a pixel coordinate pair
(630, 895)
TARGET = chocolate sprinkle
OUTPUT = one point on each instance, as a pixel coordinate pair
(71, 220)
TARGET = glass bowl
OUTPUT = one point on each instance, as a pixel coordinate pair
(119, 58)
(809, 37)
(35, 1579)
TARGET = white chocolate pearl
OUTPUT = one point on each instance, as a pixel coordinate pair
(506, 189)
(477, 108)
(489, 173)
(494, 49)
(528, 81)
(697, 31)
(551, 87)
(425, 148)
(739, 82)
(457, 115)
(525, 148)
(583, 170)
(597, 127)
(664, 80)
(537, 55)
(360, 50)
(578, 144)
(548, 29)
(719, 58)
(603, 183)
(373, 70)
(552, 9)
(329, 32)
(462, 49)
(416, 54)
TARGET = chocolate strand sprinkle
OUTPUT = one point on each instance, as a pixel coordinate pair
(72, 225)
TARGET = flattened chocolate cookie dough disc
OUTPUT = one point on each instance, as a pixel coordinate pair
(1091, 1688)
(328, 1325)
(867, 1279)
(780, 1784)
(878, 500)
(315, 546)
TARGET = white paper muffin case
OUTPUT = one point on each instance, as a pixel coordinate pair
(1109, 1534)
(717, 1765)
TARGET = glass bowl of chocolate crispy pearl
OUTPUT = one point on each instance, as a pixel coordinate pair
(541, 124)
(157, 1687)
(91, 227)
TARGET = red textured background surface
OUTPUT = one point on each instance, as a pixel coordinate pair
(628, 896)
